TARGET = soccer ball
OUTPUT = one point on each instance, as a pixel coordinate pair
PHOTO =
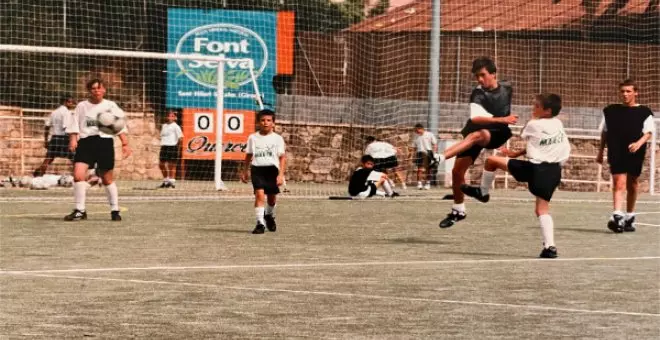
(110, 121)
(65, 181)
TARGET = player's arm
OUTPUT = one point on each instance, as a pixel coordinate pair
(647, 130)
(73, 128)
(281, 151)
(125, 148)
(603, 142)
(249, 151)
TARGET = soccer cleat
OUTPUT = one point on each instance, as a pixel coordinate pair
(427, 187)
(548, 253)
(629, 225)
(171, 185)
(270, 222)
(76, 215)
(475, 192)
(164, 185)
(452, 218)
(616, 224)
(259, 229)
(114, 215)
(394, 194)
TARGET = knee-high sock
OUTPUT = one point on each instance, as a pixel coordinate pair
(80, 194)
(113, 196)
(547, 230)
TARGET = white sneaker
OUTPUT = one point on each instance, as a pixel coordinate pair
(427, 187)
(420, 186)
(404, 187)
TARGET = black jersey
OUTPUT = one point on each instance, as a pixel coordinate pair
(358, 182)
(624, 124)
(497, 102)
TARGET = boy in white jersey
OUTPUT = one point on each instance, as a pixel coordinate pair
(384, 155)
(94, 147)
(58, 146)
(425, 145)
(170, 144)
(547, 147)
(266, 159)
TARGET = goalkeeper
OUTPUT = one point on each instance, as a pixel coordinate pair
(487, 128)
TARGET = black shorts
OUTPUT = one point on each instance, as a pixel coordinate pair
(542, 179)
(96, 150)
(58, 147)
(623, 162)
(498, 137)
(169, 153)
(382, 164)
(423, 159)
(265, 178)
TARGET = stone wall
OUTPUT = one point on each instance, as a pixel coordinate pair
(324, 153)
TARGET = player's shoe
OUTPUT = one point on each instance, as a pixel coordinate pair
(475, 192)
(548, 253)
(76, 215)
(394, 194)
(114, 215)
(420, 186)
(452, 218)
(616, 224)
(270, 222)
(164, 185)
(259, 229)
(427, 186)
(629, 225)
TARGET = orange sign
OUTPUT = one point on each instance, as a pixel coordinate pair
(199, 141)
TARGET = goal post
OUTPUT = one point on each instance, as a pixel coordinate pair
(220, 84)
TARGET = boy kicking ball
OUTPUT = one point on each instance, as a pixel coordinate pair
(364, 182)
(265, 158)
(547, 147)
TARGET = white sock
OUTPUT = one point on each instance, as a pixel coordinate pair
(166, 180)
(113, 196)
(270, 210)
(618, 213)
(459, 207)
(259, 213)
(630, 216)
(419, 184)
(387, 187)
(79, 194)
(487, 178)
(172, 180)
(547, 230)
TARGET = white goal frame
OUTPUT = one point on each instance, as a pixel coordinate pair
(220, 98)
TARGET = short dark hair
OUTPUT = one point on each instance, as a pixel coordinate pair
(483, 62)
(366, 158)
(93, 81)
(65, 98)
(419, 126)
(266, 112)
(370, 139)
(550, 101)
(628, 82)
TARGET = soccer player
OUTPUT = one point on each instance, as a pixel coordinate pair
(170, 144)
(58, 146)
(94, 147)
(626, 128)
(384, 155)
(487, 128)
(547, 147)
(365, 181)
(266, 159)
(425, 145)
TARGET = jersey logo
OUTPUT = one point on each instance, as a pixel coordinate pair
(91, 122)
(552, 140)
(265, 152)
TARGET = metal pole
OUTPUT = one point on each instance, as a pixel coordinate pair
(458, 69)
(64, 17)
(219, 126)
(434, 68)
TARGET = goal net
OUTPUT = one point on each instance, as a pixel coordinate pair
(334, 71)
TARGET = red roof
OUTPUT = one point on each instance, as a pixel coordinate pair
(489, 15)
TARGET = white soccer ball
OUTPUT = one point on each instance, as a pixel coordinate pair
(111, 121)
(65, 181)
(38, 183)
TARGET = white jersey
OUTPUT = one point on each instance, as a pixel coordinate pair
(170, 133)
(546, 141)
(84, 120)
(380, 150)
(58, 119)
(265, 149)
(424, 142)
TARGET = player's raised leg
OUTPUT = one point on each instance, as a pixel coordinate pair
(482, 192)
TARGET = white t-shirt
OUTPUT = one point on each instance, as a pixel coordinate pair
(84, 118)
(546, 141)
(265, 149)
(58, 120)
(380, 150)
(424, 142)
(170, 134)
